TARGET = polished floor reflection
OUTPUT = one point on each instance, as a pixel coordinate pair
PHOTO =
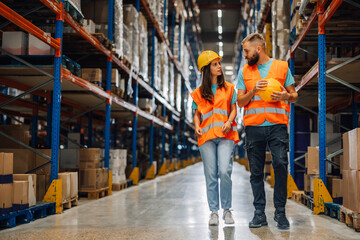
(174, 207)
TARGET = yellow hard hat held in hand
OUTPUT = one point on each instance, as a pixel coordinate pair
(273, 85)
(207, 57)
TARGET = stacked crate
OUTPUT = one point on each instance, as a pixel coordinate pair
(117, 165)
(91, 175)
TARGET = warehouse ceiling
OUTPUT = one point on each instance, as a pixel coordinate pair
(210, 20)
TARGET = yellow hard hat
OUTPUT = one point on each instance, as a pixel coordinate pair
(273, 85)
(207, 57)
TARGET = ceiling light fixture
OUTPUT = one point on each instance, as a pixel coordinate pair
(220, 30)
(219, 13)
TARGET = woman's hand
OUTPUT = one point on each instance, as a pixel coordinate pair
(198, 131)
(226, 128)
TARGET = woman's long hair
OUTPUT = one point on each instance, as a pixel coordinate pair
(205, 88)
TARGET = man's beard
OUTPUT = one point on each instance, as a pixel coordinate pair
(253, 60)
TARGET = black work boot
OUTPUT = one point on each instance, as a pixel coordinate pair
(259, 220)
(280, 218)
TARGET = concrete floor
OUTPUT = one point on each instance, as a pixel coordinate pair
(174, 207)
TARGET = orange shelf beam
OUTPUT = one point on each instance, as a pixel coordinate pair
(17, 19)
(308, 77)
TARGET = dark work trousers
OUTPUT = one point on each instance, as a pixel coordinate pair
(276, 138)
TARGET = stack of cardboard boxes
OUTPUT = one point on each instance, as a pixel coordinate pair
(6, 182)
(17, 191)
(69, 185)
(91, 175)
(117, 165)
(351, 171)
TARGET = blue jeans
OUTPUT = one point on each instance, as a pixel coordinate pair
(257, 139)
(217, 159)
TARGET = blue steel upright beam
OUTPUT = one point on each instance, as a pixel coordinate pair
(292, 120)
(322, 98)
(48, 124)
(355, 112)
(108, 85)
(151, 140)
(55, 135)
(134, 129)
(34, 123)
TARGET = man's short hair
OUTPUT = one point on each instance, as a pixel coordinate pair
(255, 37)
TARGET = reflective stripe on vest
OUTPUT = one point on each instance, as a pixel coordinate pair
(216, 110)
(217, 124)
(267, 110)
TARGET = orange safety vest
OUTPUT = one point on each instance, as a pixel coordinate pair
(214, 115)
(257, 110)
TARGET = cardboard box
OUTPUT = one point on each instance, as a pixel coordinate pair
(89, 179)
(92, 74)
(97, 10)
(19, 132)
(345, 188)
(6, 198)
(351, 149)
(65, 177)
(336, 188)
(39, 160)
(23, 159)
(312, 161)
(31, 179)
(346, 151)
(342, 162)
(354, 191)
(268, 157)
(6, 163)
(69, 158)
(38, 47)
(89, 158)
(74, 186)
(40, 187)
(329, 182)
(307, 183)
(268, 167)
(20, 195)
(15, 42)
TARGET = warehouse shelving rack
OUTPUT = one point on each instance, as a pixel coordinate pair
(98, 96)
(319, 70)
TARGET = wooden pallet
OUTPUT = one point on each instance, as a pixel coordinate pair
(103, 40)
(304, 199)
(350, 218)
(71, 203)
(119, 186)
(296, 196)
(332, 210)
(94, 194)
(126, 62)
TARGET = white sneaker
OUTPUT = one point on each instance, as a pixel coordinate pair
(227, 216)
(214, 219)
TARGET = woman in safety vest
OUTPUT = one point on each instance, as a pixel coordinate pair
(215, 112)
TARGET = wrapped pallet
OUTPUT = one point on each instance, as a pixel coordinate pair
(171, 84)
(118, 27)
(143, 48)
(157, 72)
(281, 24)
(164, 64)
(178, 92)
(127, 43)
(131, 20)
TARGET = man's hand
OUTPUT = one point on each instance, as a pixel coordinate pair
(226, 128)
(280, 96)
(260, 86)
(198, 131)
